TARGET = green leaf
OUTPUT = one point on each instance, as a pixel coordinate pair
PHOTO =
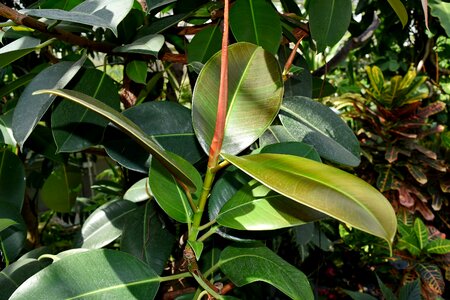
(275, 134)
(138, 192)
(170, 124)
(61, 188)
(257, 22)
(316, 124)
(244, 265)
(16, 273)
(146, 237)
(441, 10)
(256, 207)
(387, 293)
(12, 179)
(197, 247)
(149, 44)
(12, 241)
(30, 108)
(6, 134)
(409, 243)
(128, 127)
(76, 128)
(410, 291)
(254, 96)
(323, 188)
(328, 21)
(204, 44)
(299, 83)
(293, 148)
(161, 24)
(112, 11)
(17, 49)
(438, 246)
(152, 4)
(359, 296)
(169, 194)
(105, 224)
(137, 71)
(93, 274)
(421, 233)
(400, 10)
(321, 88)
(5, 223)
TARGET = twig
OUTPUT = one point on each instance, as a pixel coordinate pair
(349, 46)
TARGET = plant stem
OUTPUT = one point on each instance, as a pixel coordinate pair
(175, 276)
(209, 233)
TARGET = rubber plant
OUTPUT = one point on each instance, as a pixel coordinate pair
(264, 172)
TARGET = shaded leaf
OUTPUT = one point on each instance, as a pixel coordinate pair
(31, 108)
(12, 179)
(127, 126)
(387, 292)
(328, 21)
(431, 276)
(275, 134)
(105, 224)
(441, 10)
(244, 265)
(145, 236)
(17, 49)
(12, 241)
(314, 123)
(257, 22)
(323, 188)
(137, 71)
(400, 10)
(110, 277)
(149, 44)
(254, 94)
(410, 291)
(204, 44)
(293, 148)
(359, 296)
(417, 173)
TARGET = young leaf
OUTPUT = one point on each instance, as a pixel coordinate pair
(105, 224)
(93, 274)
(421, 233)
(254, 96)
(17, 49)
(314, 123)
(137, 71)
(128, 127)
(30, 108)
(244, 265)
(329, 20)
(257, 22)
(323, 188)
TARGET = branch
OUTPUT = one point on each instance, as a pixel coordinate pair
(349, 46)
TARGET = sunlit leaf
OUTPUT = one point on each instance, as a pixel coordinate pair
(138, 192)
(17, 49)
(137, 71)
(421, 232)
(400, 10)
(149, 44)
(441, 10)
(323, 188)
(438, 246)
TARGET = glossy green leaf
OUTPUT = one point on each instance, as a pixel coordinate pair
(12, 179)
(76, 128)
(169, 194)
(152, 4)
(244, 265)
(197, 247)
(298, 83)
(105, 224)
(400, 10)
(256, 207)
(61, 188)
(421, 232)
(31, 108)
(5, 223)
(146, 237)
(149, 44)
(169, 123)
(16, 273)
(138, 192)
(93, 274)
(316, 124)
(275, 134)
(12, 241)
(112, 11)
(204, 44)
(137, 71)
(441, 10)
(6, 134)
(128, 127)
(254, 96)
(328, 21)
(438, 246)
(257, 22)
(323, 188)
(293, 148)
(161, 24)
(17, 49)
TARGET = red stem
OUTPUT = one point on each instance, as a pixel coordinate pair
(216, 144)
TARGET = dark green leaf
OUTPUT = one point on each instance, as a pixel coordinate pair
(149, 44)
(152, 4)
(254, 94)
(257, 22)
(93, 274)
(31, 108)
(410, 291)
(12, 179)
(275, 134)
(159, 25)
(146, 237)
(387, 292)
(321, 88)
(105, 224)
(75, 127)
(299, 83)
(323, 188)
(137, 71)
(328, 21)
(128, 127)
(204, 44)
(293, 148)
(359, 295)
(17, 49)
(244, 265)
(12, 241)
(61, 188)
(314, 123)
